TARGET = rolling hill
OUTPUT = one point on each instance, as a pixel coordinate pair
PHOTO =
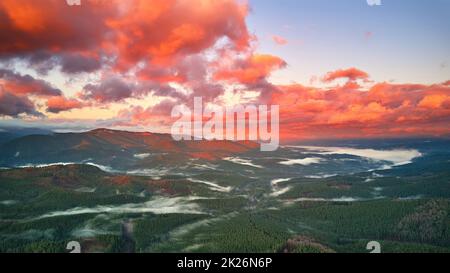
(113, 148)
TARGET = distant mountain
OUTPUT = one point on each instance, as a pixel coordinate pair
(114, 148)
(10, 133)
(5, 137)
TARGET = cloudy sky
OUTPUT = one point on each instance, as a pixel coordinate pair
(336, 68)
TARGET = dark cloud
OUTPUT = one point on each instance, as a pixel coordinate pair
(151, 30)
(75, 63)
(26, 85)
(112, 89)
(115, 89)
(44, 61)
(12, 105)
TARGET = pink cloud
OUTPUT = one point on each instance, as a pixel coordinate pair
(384, 110)
(351, 74)
(252, 69)
(279, 40)
(61, 104)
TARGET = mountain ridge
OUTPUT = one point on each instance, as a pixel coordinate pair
(111, 146)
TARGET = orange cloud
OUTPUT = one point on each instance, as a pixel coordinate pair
(251, 70)
(159, 30)
(60, 104)
(159, 41)
(132, 31)
(384, 110)
(351, 74)
(434, 101)
(52, 25)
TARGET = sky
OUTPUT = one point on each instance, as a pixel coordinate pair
(404, 41)
(338, 69)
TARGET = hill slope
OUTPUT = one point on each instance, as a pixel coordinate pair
(113, 148)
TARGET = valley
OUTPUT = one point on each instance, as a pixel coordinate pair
(235, 199)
